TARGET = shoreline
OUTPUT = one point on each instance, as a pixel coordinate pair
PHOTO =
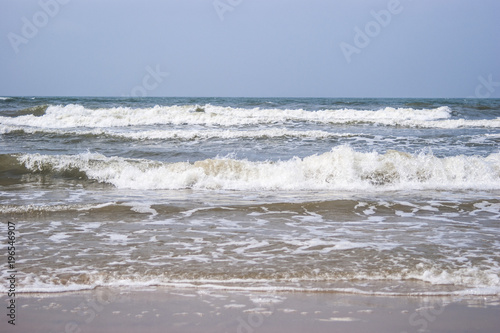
(160, 309)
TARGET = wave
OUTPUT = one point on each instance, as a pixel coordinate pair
(180, 134)
(460, 282)
(73, 115)
(340, 169)
(36, 111)
(21, 209)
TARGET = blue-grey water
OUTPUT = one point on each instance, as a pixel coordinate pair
(384, 196)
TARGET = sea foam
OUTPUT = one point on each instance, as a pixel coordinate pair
(342, 168)
(73, 115)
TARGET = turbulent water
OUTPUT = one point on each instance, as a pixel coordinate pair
(377, 196)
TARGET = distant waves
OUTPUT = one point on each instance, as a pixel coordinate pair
(74, 115)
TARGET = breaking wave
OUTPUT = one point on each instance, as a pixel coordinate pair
(73, 115)
(181, 134)
(340, 169)
(461, 283)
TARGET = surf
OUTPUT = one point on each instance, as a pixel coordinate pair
(75, 115)
(342, 168)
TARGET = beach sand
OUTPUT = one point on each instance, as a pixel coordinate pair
(201, 310)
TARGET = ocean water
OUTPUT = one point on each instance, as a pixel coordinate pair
(369, 196)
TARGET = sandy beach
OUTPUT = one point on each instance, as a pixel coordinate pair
(196, 310)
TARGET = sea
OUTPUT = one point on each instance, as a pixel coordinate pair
(395, 197)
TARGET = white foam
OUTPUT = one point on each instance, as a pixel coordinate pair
(140, 207)
(340, 169)
(117, 238)
(170, 134)
(98, 206)
(254, 244)
(72, 116)
(59, 237)
(338, 319)
(16, 209)
(234, 306)
(472, 282)
(226, 134)
(485, 206)
(88, 226)
(306, 245)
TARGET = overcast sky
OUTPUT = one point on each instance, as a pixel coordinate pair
(259, 48)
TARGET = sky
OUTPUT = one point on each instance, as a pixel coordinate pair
(250, 48)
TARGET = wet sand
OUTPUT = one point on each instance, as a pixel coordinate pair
(192, 310)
